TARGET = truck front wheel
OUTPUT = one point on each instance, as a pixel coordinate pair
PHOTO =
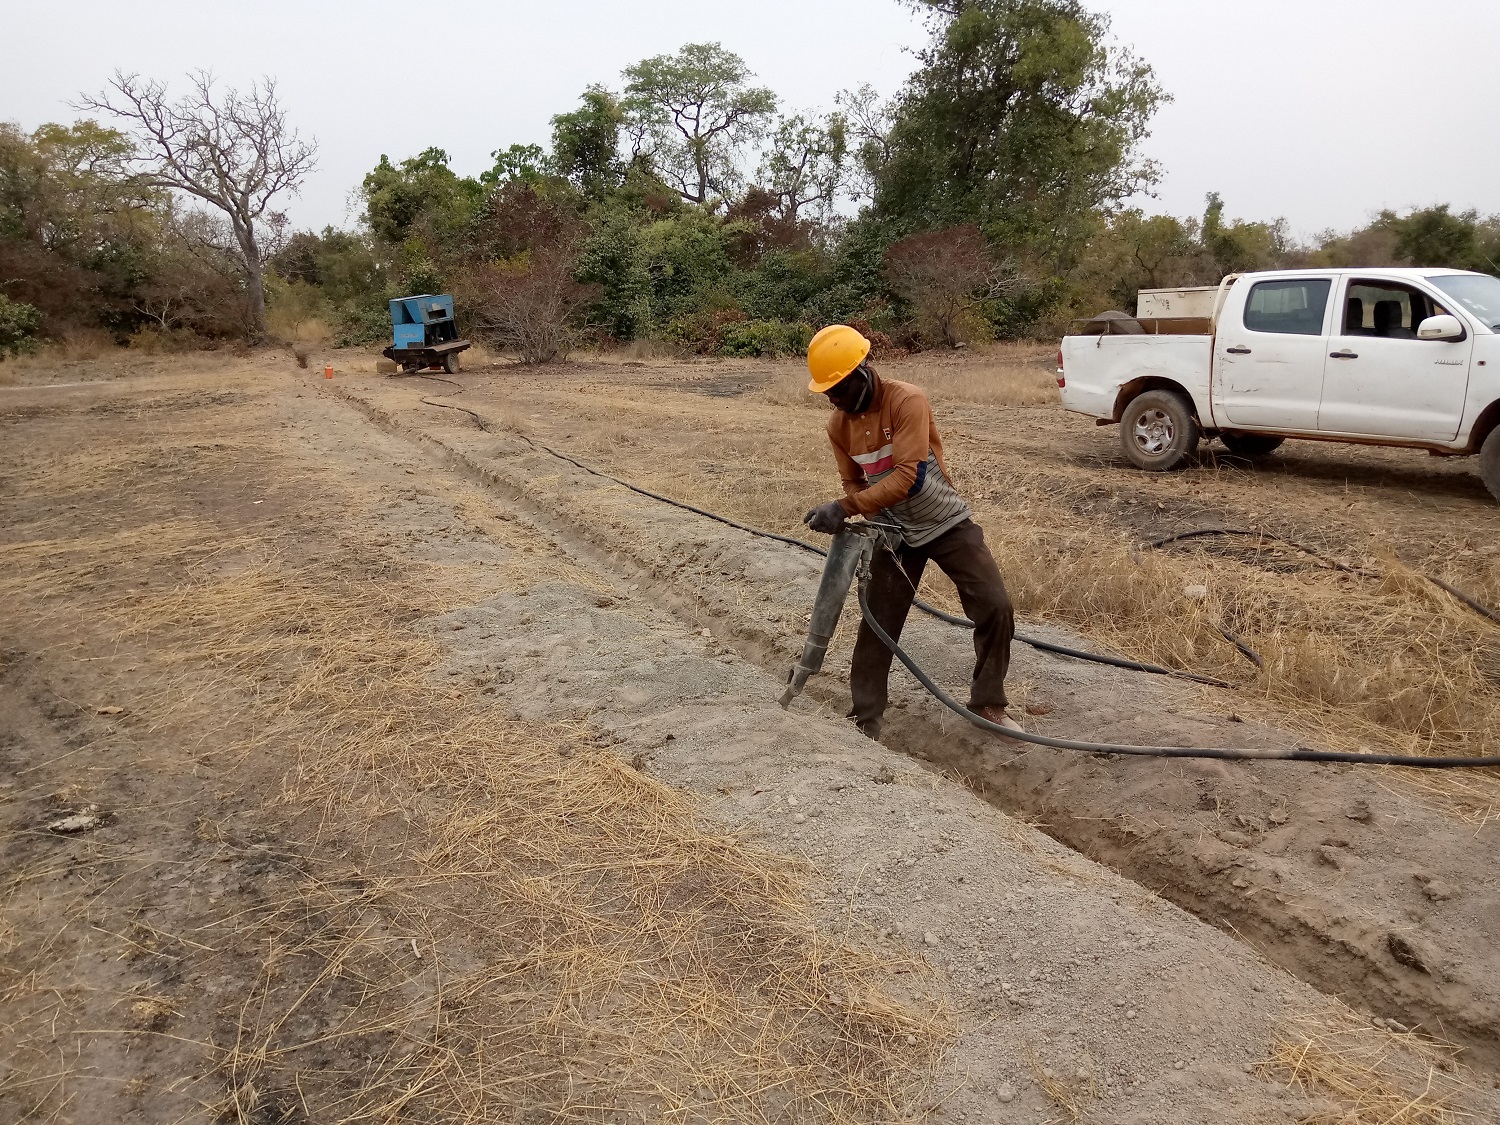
(1250, 445)
(1489, 462)
(1158, 431)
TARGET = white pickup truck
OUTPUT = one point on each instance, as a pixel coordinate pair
(1403, 357)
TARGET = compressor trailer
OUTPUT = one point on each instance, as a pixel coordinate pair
(424, 334)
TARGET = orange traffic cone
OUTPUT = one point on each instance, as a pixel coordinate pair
(328, 371)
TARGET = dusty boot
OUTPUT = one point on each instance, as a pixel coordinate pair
(998, 715)
(870, 728)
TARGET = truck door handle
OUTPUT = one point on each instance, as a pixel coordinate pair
(1240, 350)
(1345, 354)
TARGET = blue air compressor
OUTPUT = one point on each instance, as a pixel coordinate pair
(424, 333)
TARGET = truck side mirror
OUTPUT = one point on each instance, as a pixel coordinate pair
(1445, 327)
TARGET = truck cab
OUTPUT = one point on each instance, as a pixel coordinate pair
(1403, 357)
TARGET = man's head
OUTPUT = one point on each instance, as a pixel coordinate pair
(852, 393)
(836, 362)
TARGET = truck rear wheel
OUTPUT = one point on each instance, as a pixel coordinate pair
(1489, 462)
(450, 363)
(1158, 431)
(1250, 445)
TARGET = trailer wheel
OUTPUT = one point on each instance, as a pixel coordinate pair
(1250, 445)
(1158, 431)
(1489, 462)
(450, 363)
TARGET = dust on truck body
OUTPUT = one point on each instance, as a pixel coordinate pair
(1381, 356)
(424, 333)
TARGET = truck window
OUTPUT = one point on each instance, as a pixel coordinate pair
(1386, 308)
(1294, 307)
(1478, 293)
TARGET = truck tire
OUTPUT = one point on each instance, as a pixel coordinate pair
(450, 363)
(1489, 462)
(1158, 431)
(1250, 445)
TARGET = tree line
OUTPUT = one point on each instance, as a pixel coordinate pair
(686, 205)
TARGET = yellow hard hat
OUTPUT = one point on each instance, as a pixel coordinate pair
(834, 352)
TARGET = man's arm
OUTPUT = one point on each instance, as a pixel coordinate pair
(911, 424)
(849, 472)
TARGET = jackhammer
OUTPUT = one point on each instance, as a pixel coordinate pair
(851, 551)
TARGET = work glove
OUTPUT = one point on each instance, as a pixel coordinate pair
(827, 518)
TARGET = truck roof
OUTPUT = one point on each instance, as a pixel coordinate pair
(1395, 272)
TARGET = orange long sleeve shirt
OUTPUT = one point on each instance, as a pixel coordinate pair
(890, 458)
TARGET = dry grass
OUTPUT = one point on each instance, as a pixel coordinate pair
(1378, 1077)
(531, 927)
(79, 345)
(1006, 378)
(1070, 1097)
(643, 956)
(1389, 664)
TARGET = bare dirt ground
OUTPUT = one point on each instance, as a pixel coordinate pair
(419, 775)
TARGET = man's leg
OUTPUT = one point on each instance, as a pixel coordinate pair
(966, 559)
(892, 589)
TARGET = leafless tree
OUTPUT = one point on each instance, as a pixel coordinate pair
(233, 151)
(530, 303)
(944, 275)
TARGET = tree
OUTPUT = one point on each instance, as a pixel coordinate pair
(18, 325)
(945, 276)
(586, 143)
(1021, 119)
(194, 278)
(1239, 247)
(75, 221)
(1433, 236)
(520, 281)
(530, 304)
(518, 162)
(691, 114)
(804, 165)
(397, 196)
(341, 263)
(868, 122)
(235, 153)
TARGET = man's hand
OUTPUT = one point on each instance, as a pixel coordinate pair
(827, 518)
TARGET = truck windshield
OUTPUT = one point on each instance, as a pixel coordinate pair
(1477, 292)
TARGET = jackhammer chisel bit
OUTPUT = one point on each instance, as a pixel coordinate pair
(850, 546)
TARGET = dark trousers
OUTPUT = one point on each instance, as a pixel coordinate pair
(961, 554)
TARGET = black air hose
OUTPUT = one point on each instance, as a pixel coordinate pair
(932, 610)
(1299, 754)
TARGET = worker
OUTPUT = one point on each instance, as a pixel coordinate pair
(890, 457)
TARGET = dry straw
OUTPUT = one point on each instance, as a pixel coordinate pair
(1391, 663)
(1376, 1076)
(529, 924)
(636, 955)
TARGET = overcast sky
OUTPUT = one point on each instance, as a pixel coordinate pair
(1321, 111)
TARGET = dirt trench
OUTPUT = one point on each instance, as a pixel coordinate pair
(217, 888)
(1344, 876)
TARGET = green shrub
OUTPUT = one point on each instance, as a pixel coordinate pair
(18, 325)
(364, 323)
(703, 330)
(764, 338)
